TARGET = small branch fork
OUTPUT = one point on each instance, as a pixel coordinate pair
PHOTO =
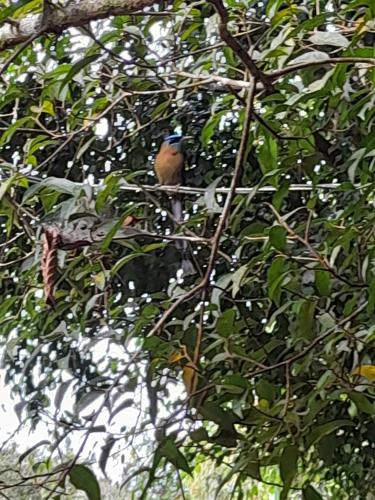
(235, 45)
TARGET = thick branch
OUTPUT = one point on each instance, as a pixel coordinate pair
(77, 14)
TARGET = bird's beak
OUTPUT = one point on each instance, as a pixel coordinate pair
(187, 137)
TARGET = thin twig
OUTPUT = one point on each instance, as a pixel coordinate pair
(274, 75)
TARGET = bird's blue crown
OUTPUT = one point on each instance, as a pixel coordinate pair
(173, 139)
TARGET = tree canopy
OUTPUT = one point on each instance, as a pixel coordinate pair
(255, 363)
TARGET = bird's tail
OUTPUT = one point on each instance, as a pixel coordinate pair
(186, 264)
(176, 204)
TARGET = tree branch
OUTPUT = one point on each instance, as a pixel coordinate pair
(209, 78)
(220, 190)
(274, 75)
(77, 14)
(237, 48)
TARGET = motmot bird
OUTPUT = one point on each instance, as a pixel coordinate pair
(170, 170)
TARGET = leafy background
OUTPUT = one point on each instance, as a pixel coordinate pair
(288, 310)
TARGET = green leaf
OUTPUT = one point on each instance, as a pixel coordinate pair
(253, 470)
(267, 155)
(77, 67)
(353, 163)
(9, 11)
(87, 399)
(210, 197)
(160, 108)
(99, 280)
(199, 434)
(237, 278)
(133, 30)
(225, 324)
(187, 33)
(33, 448)
(169, 450)
(265, 389)
(275, 278)
(306, 319)
(47, 107)
(153, 246)
(210, 127)
(324, 429)
(122, 406)
(83, 479)
(86, 145)
(125, 260)
(319, 84)
(363, 404)
(277, 237)
(312, 56)
(323, 282)
(60, 393)
(8, 134)
(288, 467)
(6, 184)
(106, 450)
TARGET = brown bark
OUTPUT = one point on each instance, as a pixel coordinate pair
(77, 14)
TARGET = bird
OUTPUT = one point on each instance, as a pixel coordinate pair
(170, 170)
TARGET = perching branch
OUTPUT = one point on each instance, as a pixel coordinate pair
(219, 190)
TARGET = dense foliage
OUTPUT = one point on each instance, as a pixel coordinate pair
(265, 343)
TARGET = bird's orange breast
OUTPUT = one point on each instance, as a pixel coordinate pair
(169, 165)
